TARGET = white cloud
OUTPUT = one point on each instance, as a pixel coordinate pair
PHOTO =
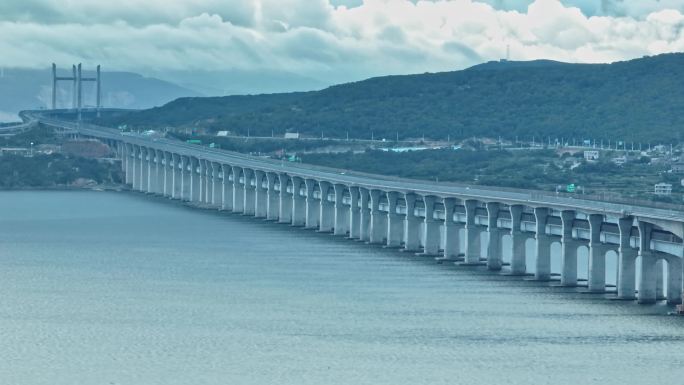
(339, 42)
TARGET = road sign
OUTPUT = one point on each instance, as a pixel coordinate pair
(570, 188)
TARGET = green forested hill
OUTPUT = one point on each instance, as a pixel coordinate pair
(638, 100)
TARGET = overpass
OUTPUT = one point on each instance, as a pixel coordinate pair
(454, 223)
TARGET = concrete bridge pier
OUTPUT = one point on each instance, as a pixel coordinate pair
(157, 179)
(298, 203)
(149, 171)
(272, 197)
(168, 174)
(674, 281)
(286, 200)
(238, 191)
(341, 212)
(364, 215)
(542, 246)
(647, 280)
(472, 234)
(141, 169)
(626, 283)
(121, 154)
(216, 186)
(494, 256)
(184, 178)
(208, 183)
(377, 230)
(450, 230)
(165, 174)
(660, 278)
(326, 221)
(200, 179)
(130, 164)
(312, 205)
(137, 168)
(147, 161)
(176, 178)
(187, 179)
(518, 238)
(195, 181)
(597, 258)
(153, 176)
(569, 250)
(411, 224)
(354, 214)
(260, 195)
(161, 172)
(204, 181)
(431, 239)
(248, 193)
(227, 187)
(395, 223)
(152, 171)
(125, 158)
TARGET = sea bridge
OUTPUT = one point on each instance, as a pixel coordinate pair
(461, 224)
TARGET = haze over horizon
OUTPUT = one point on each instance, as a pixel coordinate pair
(228, 47)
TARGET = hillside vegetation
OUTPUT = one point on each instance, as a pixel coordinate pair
(638, 100)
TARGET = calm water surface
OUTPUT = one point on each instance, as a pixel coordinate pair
(113, 288)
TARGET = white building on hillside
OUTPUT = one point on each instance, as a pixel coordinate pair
(663, 189)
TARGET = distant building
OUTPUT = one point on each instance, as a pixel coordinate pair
(591, 155)
(22, 151)
(678, 168)
(48, 149)
(620, 160)
(663, 189)
(292, 135)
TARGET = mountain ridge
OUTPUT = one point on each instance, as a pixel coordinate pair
(636, 100)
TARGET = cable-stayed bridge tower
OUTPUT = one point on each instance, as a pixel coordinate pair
(77, 80)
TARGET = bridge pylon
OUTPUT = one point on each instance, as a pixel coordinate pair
(77, 80)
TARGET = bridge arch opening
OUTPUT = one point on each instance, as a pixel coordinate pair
(582, 265)
(611, 272)
(461, 245)
(530, 255)
(506, 248)
(669, 277)
(556, 254)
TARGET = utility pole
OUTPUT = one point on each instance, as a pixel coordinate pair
(54, 86)
(98, 104)
(79, 83)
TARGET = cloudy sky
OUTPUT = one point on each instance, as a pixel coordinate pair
(330, 40)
